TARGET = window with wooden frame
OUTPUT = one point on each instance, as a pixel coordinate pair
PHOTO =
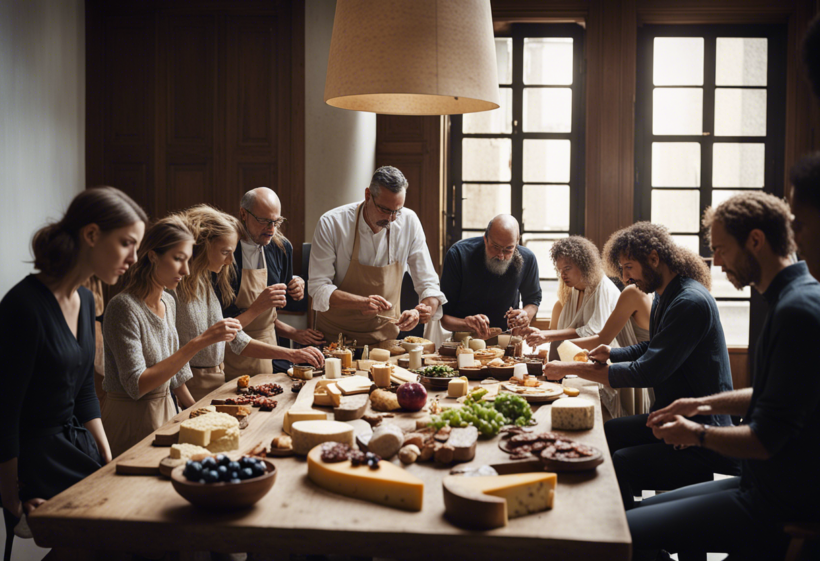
(526, 158)
(710, 113)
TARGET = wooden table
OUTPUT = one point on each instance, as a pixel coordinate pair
(115, 512)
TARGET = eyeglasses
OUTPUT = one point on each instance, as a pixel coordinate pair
(504, 250)
(387, 211)
(265, 222)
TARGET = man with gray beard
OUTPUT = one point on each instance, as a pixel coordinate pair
(490, 281)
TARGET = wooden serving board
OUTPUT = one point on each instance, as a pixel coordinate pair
(144, 458)
(351, 407)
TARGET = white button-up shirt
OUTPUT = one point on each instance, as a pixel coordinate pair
(253, 255)
(332, 249)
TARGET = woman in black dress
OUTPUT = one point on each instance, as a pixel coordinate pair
(51, 435)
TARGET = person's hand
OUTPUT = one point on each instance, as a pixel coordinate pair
(272, 296)
(296, 288)
(31, 505)
(308, 337)
(535, 337)
(408, 320)
(556, 370)
(479, 324)
(678, 431)
(600, 353)
(517, 318)
(374, 304)
(223, 330)
(425, 313)
(684, 407)
(309, 355)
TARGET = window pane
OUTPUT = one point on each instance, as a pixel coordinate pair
(677, 210)
(677, 111)
(549, 296)
(503, 53)
(678, 61)
(722, 288)
(548, 61)
(546, 161)
(466, 234)
(738, 165)
(689, 242)
(486, 159)
(482, 202)
(740, 112)
(546, 207)
(720, 195)
(675, 164)
(540, 245)
(741, 61)
(547, 110)
(734, 316)
(497, 121)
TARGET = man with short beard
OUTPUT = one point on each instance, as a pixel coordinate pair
(490, 281)
(779, 439)
(686, 356)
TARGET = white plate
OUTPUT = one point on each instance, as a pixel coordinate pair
(546, 391)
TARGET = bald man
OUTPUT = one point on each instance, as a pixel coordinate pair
(490, 281)
(264, 282)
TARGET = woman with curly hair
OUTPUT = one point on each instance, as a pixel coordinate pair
(685, 356)
(216, 235)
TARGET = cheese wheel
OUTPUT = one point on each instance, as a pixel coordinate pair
(569, 352)
(379, 355)
(308, 434)
(304, 415)
(572, 414)
(477, 344)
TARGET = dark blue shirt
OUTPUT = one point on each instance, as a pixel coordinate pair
(472, 289)
(785, 409)
(279, 263)
(686, 354)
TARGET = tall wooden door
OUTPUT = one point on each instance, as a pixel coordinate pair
(196, 103)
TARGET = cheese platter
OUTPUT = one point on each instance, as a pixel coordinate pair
(544, 392)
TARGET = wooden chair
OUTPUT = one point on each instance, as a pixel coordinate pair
(801, 534)
(10, 522)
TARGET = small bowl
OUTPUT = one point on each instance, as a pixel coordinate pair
(501, 373)
(534, 367)
(224, 496)
(411, 346)
(448, 349)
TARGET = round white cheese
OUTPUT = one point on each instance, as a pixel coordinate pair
(308, 434)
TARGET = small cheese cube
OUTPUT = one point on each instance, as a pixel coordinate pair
(457, 387)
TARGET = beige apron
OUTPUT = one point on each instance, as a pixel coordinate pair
(263, 328)
(365, 280)
(205, 380)
(127, 421)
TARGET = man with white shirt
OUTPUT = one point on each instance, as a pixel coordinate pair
(358, 258)
(264, 282)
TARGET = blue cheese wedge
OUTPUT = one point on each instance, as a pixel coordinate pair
(572, 414)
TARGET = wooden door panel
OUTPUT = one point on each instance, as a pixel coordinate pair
(188, 185)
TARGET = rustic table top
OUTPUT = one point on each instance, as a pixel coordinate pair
(108, 511)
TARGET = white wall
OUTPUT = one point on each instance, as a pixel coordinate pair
(340, 145)
(42, 122)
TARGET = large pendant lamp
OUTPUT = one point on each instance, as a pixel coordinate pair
(413, 57)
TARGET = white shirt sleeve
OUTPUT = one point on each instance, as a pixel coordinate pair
(599, 308)
(322, 269)
(420, 267)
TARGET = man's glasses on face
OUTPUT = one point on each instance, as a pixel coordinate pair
(386, 211)
(265, 222)
(503, 250)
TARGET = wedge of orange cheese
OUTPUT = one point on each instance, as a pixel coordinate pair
(486, 502)
(388, 485)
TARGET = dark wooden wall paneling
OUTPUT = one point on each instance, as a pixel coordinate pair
(197, 102)
(416, 146)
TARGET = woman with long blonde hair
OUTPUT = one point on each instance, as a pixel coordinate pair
(144, 362)
(216, 235)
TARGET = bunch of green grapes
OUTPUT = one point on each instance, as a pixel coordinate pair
(515, 408)
(485, 418)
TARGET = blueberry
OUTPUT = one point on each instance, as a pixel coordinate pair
(210, 475)
(236, 480)
(193, 471)
(202, 481)
(234, 466)
(234, 475)
(258, 469)
(222, 459)
(223, 473)
(246, 461)
(209, 463)
(246, 473)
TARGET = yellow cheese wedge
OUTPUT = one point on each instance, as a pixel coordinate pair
(309, 434)
(304, 415)
(206, 429)
(185, 451)
(353, 385)
(457, 387)
(489, 501)
(388, 485)
(335, 394)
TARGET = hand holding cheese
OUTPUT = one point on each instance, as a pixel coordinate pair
(374, 304)
(600, 353)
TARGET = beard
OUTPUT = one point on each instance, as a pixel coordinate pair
(746, 272)
(500, 267)
(651, 281)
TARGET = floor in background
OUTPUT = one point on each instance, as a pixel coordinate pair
(23, 550)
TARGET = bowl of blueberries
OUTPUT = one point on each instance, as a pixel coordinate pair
(222, 483)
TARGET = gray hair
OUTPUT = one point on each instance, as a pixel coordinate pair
(248, 200)
(390, 178)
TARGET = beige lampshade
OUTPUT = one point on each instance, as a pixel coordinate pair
(413, 57)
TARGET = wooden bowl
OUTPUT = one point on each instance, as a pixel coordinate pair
(474, 372)
(501, 373)
(448, 350)
(224, 496)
